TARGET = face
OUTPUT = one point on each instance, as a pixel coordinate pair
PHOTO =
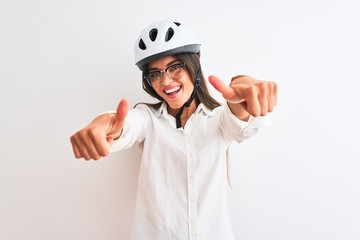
(174, 91)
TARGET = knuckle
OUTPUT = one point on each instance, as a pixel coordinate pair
(91, 132)
(250, 90)
(82, 134)
(263, 113)
(237, 77)
(255, 113)
(274, 86)
(263, 86)
(104, 152)
(72, 139)
(94, 155)
(76, 136)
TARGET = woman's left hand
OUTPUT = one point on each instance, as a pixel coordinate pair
(256, 97)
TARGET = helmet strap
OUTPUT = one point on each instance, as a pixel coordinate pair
(188, 103)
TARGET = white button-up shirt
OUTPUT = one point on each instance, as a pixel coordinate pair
(182, 187)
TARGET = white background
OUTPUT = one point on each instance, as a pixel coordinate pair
(64, 62)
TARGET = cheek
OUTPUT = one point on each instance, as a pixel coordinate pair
(189, 85)
(186, 80)
(158, 91)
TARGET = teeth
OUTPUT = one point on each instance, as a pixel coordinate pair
(168, 91)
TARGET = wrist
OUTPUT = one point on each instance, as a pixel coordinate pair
(239, 111)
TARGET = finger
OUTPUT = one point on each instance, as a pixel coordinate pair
(102, 146)
(75, 147)
(263, 93)
(89, 142)
(264, 104)
(271, 98)
(275, 89)
(82, 148)
(253, 105)
(119, 119)
(89, 147)
(270, 101)
(122, 111)
(227, 92)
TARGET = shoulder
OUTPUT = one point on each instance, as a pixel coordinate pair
(151, 109)
(209, 112)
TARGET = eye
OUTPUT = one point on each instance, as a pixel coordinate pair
(175, 67)
(154, 75)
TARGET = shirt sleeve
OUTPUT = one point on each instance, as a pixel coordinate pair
(134, 130)
(234, 129)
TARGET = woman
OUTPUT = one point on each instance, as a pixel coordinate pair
(183, 173)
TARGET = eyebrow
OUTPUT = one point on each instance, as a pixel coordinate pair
(169, 64)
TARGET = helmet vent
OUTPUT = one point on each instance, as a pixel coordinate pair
(142, 45)
(153, 34)
(177, 23)
(169, 34)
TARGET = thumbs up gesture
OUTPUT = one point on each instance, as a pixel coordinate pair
(95, 140)
(247, 96)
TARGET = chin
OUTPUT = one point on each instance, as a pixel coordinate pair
(175, 106)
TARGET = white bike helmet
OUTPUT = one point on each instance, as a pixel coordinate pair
(164, 38)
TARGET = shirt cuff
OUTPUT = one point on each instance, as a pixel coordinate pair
(122, 142)
(243, 129)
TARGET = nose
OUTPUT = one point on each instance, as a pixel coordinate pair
(165, 79)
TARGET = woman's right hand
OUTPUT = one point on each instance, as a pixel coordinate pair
(95, 140)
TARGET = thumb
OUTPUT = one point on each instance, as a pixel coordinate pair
(118, 120)
(121, 111)
(227, 92)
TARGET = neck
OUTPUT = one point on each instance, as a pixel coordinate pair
(186, 112)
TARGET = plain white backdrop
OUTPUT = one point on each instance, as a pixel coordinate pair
(64, 62)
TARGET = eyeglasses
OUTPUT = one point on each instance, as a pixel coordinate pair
(174, 72)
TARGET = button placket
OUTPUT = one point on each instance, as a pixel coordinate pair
(192, 189)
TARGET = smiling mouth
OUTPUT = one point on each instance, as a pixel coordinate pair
(172, 91)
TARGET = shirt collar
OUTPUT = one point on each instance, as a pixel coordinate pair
(200, 108)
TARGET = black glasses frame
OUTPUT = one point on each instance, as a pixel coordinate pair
(147, 77)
